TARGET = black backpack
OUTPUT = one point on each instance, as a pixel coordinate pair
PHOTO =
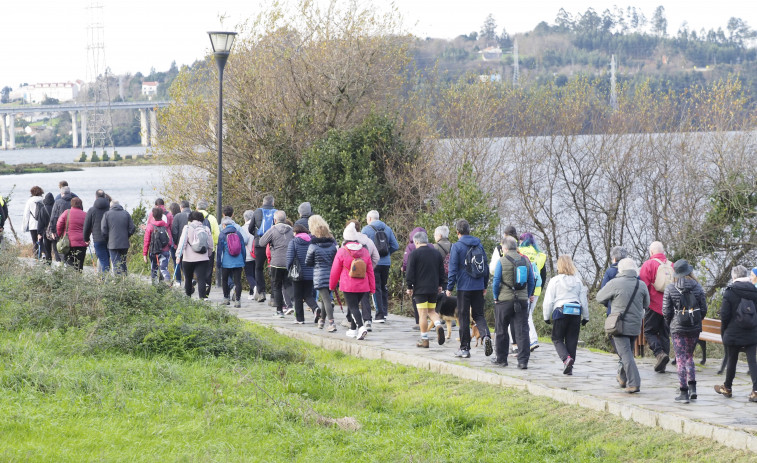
(746, 314)
(381, 241)
(687, 314)
(158, 239)
(475, 261)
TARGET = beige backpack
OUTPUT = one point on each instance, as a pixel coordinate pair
(663, 277)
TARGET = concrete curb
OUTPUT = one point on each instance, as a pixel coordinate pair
(729, 437)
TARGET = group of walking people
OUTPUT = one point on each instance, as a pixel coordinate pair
(307, 264)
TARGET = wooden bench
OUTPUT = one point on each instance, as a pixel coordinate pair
(711, 333)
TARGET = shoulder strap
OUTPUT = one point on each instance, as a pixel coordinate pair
(630, 301)
(512, 261)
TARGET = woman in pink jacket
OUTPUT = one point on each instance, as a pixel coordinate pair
(352, 270)
(75, 231)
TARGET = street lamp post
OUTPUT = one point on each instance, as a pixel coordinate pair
(221, 43)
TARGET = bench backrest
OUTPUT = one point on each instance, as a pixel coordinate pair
(711, 325)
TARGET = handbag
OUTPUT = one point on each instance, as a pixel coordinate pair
(64, 244)
(614, 321)
(295, 270)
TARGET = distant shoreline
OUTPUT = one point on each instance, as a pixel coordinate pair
(38, 167)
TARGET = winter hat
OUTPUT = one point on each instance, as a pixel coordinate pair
(304, 209)
(754, 271)
(350, 234)
(682, 268)
(627, 264)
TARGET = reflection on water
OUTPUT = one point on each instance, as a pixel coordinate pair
(127, 184)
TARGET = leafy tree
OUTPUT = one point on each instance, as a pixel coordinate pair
(504, 39)
(489, 30)
(5, 94)
(659, 22)
(739, 31)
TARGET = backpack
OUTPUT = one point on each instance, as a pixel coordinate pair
(267, 221)
(520, 273)
(475, 262)
(158, 239)
(746, 314)
(234, 243)
(445, 253)
(687, 313)
(199, 240)
(358, 267)
(38, 206)
(663, 277)
(381, 241)
(295, 270)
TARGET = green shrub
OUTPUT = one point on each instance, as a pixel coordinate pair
(95, 157)
(105, 156)
(83, 157)
(117, 157)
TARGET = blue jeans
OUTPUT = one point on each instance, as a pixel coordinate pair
(159, 263)
(118, 260)
(103, 255)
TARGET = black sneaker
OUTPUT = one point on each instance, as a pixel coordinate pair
(662, 361)
(317, 315)
(500, 363)
(440, 338)
(488, 346)
(522, 366)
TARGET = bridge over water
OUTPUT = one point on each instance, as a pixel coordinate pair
(148, 119)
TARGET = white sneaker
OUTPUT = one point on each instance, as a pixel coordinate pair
(345, 323)
(351, 333)
(250, 297)
(362, 332)
(288, 311)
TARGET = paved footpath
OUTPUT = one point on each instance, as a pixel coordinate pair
(732, 422)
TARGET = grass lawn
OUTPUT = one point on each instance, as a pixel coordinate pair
(60, 405)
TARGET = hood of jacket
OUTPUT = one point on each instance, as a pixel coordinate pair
(412, 233)
(353, 245)
(303, 237)
(102, 203)
(744, 289)
(282, 228)
(49, 199)
(570, 284)
(159, 223)
(117, 207)
(67, 197)
(469, 240)
(685, 283)
(323, 242)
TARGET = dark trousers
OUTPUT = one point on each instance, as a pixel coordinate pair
(118, 260)
(209, 272)
(506, 316)
(47, 249)
(236, 276)
(259, 266)
(657, 332)
(732, 352)
(278, 275)
(35, 242)
(353, 309)
(75, 257)
(470, 304)
(565, 332)
(199, 270)
(381, 274)
(249, 273)
(54, 245)
(303, 291)
(365, 307)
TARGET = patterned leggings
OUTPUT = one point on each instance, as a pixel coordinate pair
(684, 348)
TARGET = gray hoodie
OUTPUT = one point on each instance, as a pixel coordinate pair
(279, 237)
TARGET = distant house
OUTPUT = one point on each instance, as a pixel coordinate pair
(37, 93)
(491, 54)
(149, 88)
(490, 77)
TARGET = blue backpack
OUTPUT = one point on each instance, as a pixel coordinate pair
(267, 221)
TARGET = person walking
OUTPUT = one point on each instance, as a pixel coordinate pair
(425, 279)
(513, 288)
(443, 245)
(262, 221)
(71, 224)
(31, 217)
(305, 211)
(657, 274)
(530, 249)
(386, 245)
(684, 306)
(93, 229)
(302, 281)
(278, 237)
(117, 227)
(180, 221)
(62, 203)
(249, 255)
(157, 246)
(320, 256)
(202, 206)
(409, 248)
(566, 307)
(365, 302)
(231, 257)
(192, 253)
(738, 315)
(46, 234)
(3, 216)
(625, 295)
(469, 272)
(353, 273)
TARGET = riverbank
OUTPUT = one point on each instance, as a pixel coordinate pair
(38, 167)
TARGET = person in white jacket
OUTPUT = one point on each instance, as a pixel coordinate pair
(30, 217)
(566, 307)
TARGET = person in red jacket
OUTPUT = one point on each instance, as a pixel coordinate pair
(656, 331)
(355, 278)
(158, 260)
(71, 223)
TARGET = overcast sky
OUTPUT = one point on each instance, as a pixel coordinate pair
(45, 40)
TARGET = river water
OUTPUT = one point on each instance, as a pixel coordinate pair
(63, 155)
(127, 184)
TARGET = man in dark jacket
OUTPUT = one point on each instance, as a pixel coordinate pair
(737, 333)
(260, 224)
(117, 227)
(470, 290)
(3, 216)
(61, 205)
(93, 226)
(425, 279)
(42, 222)
(177, 226)
(305, 212)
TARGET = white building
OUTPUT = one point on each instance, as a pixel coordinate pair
(36, 93)
(491, 54)
(149, 88)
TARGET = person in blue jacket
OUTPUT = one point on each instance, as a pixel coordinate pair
(381, 271)
(466, 260)
(231, 266)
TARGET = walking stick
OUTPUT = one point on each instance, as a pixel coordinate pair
(336, 292)
(10, 223)
(402, 293)
(93, 256)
